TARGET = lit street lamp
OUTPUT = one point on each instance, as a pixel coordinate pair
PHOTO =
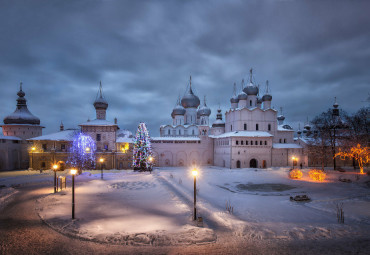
(55, 167)
(101, 160)
(73, 172)
(195, 173)
(294, 159)
(32, 149)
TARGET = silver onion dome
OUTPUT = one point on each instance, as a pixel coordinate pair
(189, 100)
(178, 110)
(242, 96)
(204, 110)
(234, 100)
(267, 97)
(281, 117)
(21, 115)
(251, 89)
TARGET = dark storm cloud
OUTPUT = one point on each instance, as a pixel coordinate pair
(144, 52)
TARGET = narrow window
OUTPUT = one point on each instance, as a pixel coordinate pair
(269, 127)
(279, 140)
(193, 132)
(246, 142)
(43, 164)
(256, 126)
(250, 102)
(260, 142)
(237, 142)
(265, 142)
(44, 147)
(63, 146)
(169, 132)
(251, 142)
(284, 140)
(106, 147)
(98, 137)
(231, 126)
(241, 142)
(245, 126)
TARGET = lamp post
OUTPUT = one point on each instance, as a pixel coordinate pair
(150, 163)
(101, 160)
(73, 172)
(32, 149)
(195, 173)
(55, 167)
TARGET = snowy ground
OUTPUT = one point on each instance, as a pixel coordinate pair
(156, 209)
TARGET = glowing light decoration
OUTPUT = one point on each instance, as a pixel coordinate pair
(295, 174)
(82, 152)
(142, 151)
(317, 175)
(359, 153)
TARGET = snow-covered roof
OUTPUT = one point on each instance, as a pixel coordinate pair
(98, 122)
(280, 128)
(174, 126)
(286, 146)
(243, 134)
(66, 135)
(175, 138)
(5, 137)
(124, 140)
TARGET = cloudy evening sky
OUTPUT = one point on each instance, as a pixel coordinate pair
(144, 51)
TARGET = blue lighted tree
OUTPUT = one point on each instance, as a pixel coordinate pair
(142, 153)
(82, 152)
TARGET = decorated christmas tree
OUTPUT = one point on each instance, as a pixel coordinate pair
(142, 154)
(82, 152)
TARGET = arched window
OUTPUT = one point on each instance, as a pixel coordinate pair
(256, 126)
(241, 142)
(231, 127)
(265, 142)
(245, 126)
(193, 132)
(250, 102)
(260, 142)
(269, 127)
(251, 142)
(246, 142)
(237, 142)
(284, 140)
(179, 132)
(169, 132)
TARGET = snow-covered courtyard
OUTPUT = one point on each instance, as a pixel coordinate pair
(139, 208)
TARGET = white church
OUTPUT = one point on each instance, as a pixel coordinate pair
(253, 135)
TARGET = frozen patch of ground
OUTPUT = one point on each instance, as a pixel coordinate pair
(6, 195)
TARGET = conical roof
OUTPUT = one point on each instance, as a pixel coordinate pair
(100, 102)
(189, 100)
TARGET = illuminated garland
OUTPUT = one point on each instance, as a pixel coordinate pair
(142, 149)
(82, 152)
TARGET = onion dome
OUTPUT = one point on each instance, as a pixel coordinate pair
(189, 100)
(299, 132)
(307, 127)
(178, 110)
(281, 117)
(242, 96)
(204, 110)
(267, 96)
(234, 99)
(21, 115)
(219, 122)
(251, 89)
(100, 102)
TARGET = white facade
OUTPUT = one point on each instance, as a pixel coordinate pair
(253, 135)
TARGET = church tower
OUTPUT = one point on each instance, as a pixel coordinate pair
(100, 104)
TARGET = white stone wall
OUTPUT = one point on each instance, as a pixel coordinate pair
(183, 153)
(10, 154)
